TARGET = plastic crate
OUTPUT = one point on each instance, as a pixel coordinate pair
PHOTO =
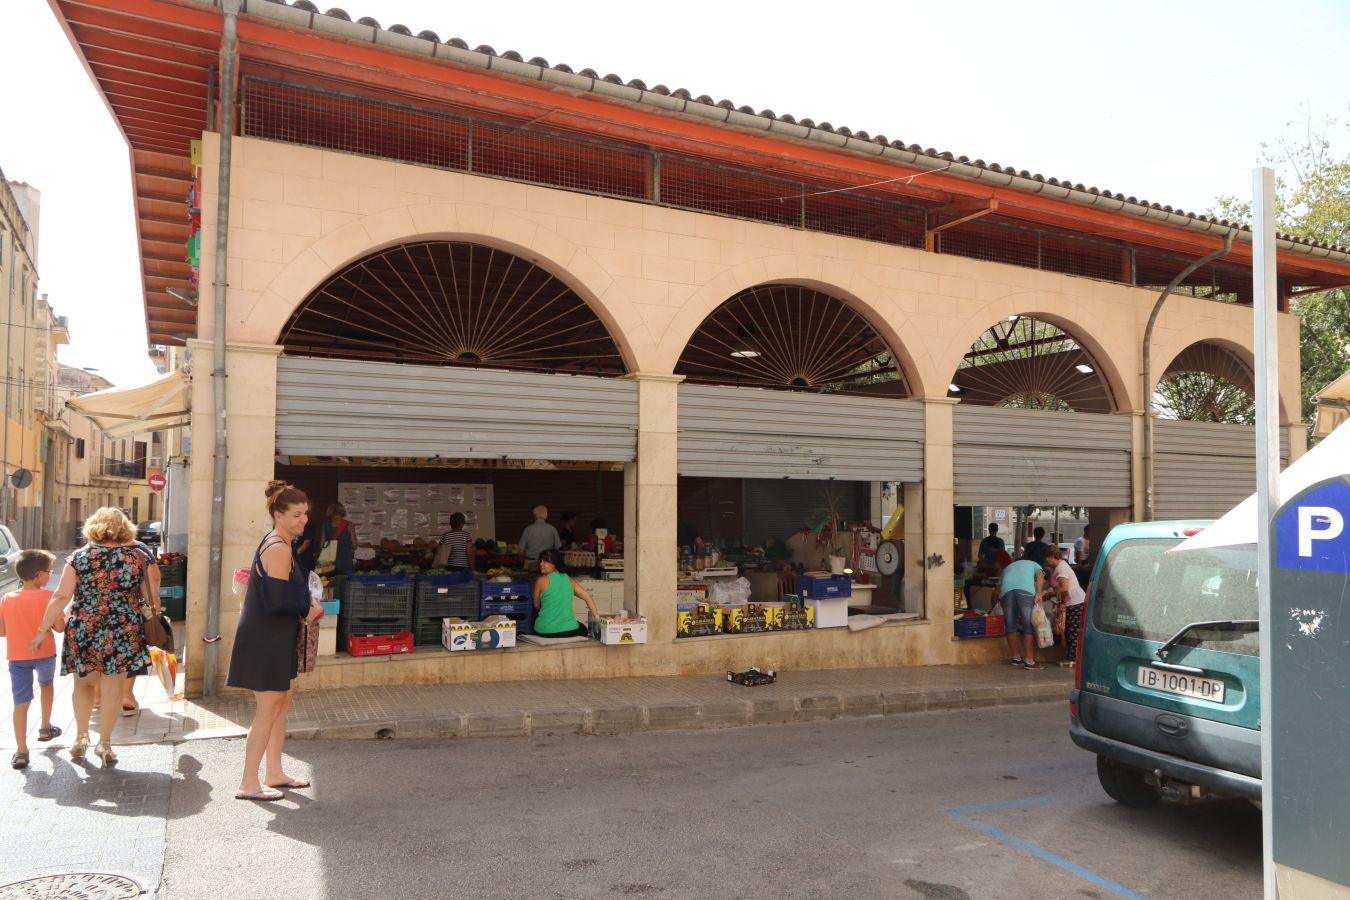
(173, 574)
(970, 626)
(824, 587)
(175, 607)
(515, 589)
(331, 607)
(371, 596)
(519, 611)
(366, 625)
(995, 625)
(177, 592)
(380, 644)
(442, 596)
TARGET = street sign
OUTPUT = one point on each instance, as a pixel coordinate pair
(157, 482)
(21, 478)
(1310, 682)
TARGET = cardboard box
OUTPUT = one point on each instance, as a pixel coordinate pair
(797, 617)
(831, 613)
(494, 633)
(697, 620)
(744, 618)
(691, 593)
(625, 628)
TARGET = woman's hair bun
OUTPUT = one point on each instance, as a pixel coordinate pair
(274, 488)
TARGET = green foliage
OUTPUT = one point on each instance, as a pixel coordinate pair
(1202, 397)
(1313, 201)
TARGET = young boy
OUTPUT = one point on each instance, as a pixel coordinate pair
(20, 613)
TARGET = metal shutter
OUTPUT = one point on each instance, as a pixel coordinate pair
(331, 407)
(1026, 457)
(728, 432)
(1201, 470)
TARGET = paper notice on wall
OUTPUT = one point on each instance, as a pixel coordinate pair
(421, 521)
(393, 496)
(398, 519)
(378, 518)
(412, 497)
(480, 495)
(358, 517)
(350, 495)
(443, 520)
(371, 495)
(456, 496)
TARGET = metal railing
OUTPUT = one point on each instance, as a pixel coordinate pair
(116, 468)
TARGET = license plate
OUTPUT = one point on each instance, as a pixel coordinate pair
(1181, 684)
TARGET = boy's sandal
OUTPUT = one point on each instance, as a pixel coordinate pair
(1032, 665)
(46, 734)
(19, 760)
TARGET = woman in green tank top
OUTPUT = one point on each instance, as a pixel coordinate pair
(553, 593)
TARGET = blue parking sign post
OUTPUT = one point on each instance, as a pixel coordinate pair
(1308, 710)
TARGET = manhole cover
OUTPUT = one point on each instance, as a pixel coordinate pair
(75, 886)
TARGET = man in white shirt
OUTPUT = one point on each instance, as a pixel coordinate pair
(540, 536)
(1081, 547)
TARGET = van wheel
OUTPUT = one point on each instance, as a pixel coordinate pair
(1125, 785)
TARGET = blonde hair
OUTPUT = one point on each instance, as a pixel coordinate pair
(108, 525)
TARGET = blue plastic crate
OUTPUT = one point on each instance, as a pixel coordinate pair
(517, 588)
(380, 579)
(969, 626)
(505, 607)
(824, 587)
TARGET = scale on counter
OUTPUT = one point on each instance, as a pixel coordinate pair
(719, 572)
(611, 568)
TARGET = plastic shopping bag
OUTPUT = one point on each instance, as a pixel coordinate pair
(164, 665)
(1045, 637)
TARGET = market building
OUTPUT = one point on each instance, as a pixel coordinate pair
(453, 278)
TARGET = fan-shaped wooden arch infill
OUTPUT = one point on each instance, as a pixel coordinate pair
(1207, 382)
(1030, 363)
(452, 303)
(786, 337)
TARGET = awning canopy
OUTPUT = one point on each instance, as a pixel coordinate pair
(162, 404)
(1333, 406)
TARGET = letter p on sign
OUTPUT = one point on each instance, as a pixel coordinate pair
(1317, 523)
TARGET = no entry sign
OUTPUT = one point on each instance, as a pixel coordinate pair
(156, 482)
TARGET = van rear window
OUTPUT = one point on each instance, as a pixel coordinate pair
(1146, 592)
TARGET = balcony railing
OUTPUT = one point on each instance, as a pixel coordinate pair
(116, 468)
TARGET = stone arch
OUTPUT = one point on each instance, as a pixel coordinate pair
(1233, 338)
(1116, 392)
(833, 277)
(489, 227)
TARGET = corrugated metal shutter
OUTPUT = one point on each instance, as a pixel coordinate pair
(751, 433)
(1203, 469)
(776, 508)
(1025, 457)
(328, 407)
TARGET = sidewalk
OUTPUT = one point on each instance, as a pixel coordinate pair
(584, 706)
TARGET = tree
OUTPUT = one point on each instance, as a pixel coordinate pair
(1312, 189)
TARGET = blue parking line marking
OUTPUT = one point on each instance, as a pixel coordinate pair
(966, 815)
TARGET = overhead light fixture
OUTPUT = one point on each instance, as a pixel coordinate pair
(1085, 369)
(1013, 318)
(952, 388)
(186, 296)
(745, 354)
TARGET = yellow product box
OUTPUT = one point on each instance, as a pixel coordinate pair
(744, 618)
(697, 619)
(797, 617)
(773, 615)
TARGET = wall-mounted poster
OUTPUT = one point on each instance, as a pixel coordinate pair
(403, 512)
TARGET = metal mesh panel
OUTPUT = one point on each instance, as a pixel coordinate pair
(560, 160)
(992, 242)
(865, 216)
(335, 121)
(730, 192)
(1004, 242)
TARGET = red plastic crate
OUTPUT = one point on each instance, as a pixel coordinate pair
(380, 644)
(995, 625)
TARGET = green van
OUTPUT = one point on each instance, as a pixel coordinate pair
(1168, 676)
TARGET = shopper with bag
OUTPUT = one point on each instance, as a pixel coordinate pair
(105, 637)
(1019, 590)
(1069, 611)
(264, 658)
(339, 536)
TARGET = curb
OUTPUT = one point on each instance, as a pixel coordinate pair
(605, 720)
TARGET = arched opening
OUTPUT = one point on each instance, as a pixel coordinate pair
(452, 303)
(1207, 382)
(794, 338)
(1029, 363)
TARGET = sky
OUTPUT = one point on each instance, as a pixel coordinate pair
(1165, 100)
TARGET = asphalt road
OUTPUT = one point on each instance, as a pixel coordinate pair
(972, 803)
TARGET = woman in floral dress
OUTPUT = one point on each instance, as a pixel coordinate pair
(104, 636)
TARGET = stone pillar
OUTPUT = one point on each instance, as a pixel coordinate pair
(650, 495)
(1298, 440)
(251, 404)
(912, 589)
(1138, 472)
(937, 527)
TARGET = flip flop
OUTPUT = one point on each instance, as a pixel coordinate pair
(46, 734)
(19, 760)
(293, 784)
(266, 795)
(131, 710)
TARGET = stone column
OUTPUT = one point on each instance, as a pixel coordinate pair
(650, 499)
(937, 526)
(1298, 440)
(251, 404)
